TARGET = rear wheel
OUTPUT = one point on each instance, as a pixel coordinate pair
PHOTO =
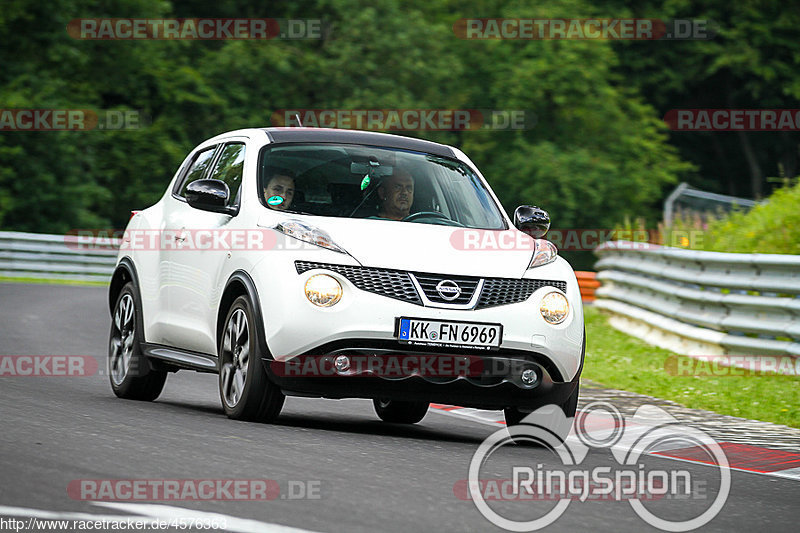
(128, 368)
(400, 412)
(245, 390)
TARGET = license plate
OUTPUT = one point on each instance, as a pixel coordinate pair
(422, 332)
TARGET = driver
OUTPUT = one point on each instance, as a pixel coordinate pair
(279, 191)
(396, 195)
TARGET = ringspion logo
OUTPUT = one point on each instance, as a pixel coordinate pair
(650, 430)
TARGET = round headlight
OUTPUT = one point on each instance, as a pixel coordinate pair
(554, 308)
(323, 290)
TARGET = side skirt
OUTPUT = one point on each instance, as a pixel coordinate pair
(182, 359)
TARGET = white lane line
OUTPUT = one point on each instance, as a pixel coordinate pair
(792, 473)
(232, 523)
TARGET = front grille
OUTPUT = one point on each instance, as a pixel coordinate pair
(397, 284)
(390, 283)
(429, 282)
(501, 291)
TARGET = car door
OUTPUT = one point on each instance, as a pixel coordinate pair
(155, 259)
(195, 261)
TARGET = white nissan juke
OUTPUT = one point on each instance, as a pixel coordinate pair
(344, 264)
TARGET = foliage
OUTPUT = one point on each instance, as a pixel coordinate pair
(772, 227)
(598, 152)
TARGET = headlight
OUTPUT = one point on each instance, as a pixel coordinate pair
(309, 234)
(554, 308)
(544, 252)
(323, 290)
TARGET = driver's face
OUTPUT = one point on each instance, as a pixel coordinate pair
(397, 195)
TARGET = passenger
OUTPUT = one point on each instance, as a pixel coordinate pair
(279, 191)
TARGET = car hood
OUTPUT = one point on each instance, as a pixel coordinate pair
(427, 247)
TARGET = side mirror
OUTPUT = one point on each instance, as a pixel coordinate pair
(532, 220)
(209, 195)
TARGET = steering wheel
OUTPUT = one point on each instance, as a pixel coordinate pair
(419, 214)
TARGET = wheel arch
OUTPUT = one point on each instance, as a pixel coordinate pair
(241, 284)
(124, 273)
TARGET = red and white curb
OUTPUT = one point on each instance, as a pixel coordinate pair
(741, 457)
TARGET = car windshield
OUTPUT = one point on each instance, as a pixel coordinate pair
(356, 181)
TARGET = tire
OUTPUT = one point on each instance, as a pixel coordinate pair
(244, 389)
(514, 415)
(400, 412)
(129, 370)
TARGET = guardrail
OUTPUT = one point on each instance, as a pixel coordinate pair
(69, 257)
(696, 302)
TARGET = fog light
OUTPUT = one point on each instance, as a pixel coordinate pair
(554, 308)
(342, 363)
(323, 290)
(529, 377)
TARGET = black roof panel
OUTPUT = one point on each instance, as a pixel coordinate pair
(330, 135)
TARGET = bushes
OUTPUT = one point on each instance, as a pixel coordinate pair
(772, 227)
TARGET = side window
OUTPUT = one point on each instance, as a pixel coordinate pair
(230, 168)
(198, 168)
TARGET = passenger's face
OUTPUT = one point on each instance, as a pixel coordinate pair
(397, 195)
(282, 186)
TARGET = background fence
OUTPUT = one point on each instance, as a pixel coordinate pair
(85, 258)
(696, 302)
(70, 257)
(691, 302)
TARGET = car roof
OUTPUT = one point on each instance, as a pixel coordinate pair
(331, 135)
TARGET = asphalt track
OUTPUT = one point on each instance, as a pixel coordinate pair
(370, 476)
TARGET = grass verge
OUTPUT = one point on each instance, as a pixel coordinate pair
(619, 361)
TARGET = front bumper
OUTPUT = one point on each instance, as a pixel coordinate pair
(391, 371)
(294, 326)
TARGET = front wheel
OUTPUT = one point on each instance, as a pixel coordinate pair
(245, 390)
(514, 415)
(400, 412)
(128, 368)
